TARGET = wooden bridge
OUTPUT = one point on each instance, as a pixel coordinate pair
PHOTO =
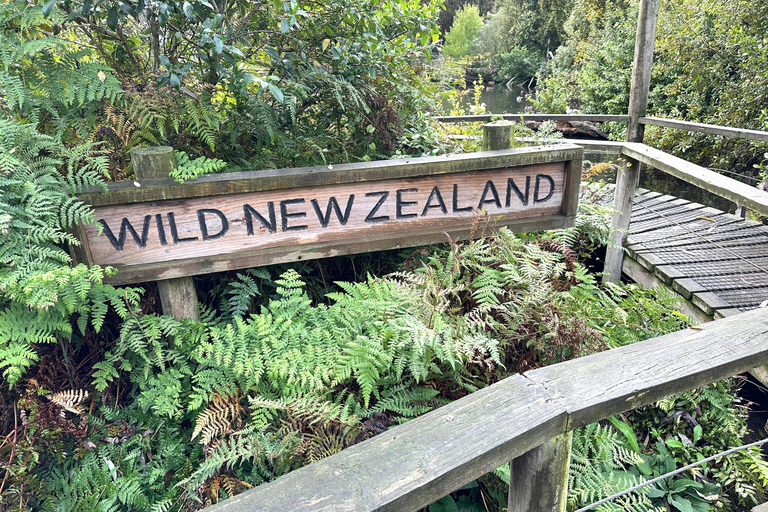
(717, 262)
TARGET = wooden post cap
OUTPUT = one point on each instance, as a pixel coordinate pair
(496, 135)
(153, 163)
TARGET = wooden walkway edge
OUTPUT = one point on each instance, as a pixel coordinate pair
(716, 261)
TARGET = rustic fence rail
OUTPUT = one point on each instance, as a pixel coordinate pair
(711, 129)
(414, 464)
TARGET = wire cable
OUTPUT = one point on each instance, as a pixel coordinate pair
(671, 473)
(752, 178)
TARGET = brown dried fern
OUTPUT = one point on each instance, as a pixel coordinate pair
(219, 417)
(69, 400)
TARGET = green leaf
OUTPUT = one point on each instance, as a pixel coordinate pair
(126, 8)
(445, 504)
(112, 18)
(218, 45)
(284, 26)
(175, 81)
(681, 504)
(628, 433)
(189, 11)
(674, 443)
(48, 7)
(685, 483)
(697, 433)
(248, 79)
(276, 92)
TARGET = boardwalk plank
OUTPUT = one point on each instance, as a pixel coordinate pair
(663, 220)
(708, 231)
(745, 299)
(715, 259)
(725, 267)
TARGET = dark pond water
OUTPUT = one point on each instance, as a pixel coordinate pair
(498, 100)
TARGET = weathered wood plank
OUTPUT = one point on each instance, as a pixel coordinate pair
(275, 179)
(269, 256)
(593, 149)
(641, 214)
(538, 479)
(485, 118)
(687, 287)
(728, 188)
(178, 297)
(725, 267)
(647, 371)
(750, 277)
(627, 179)
(710, 302)
(412, 465)
(711, 129)
(665, 219)
(188, 235)
(745, 298)
(748, 239)
(723, 228)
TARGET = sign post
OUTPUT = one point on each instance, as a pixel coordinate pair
(178, 296)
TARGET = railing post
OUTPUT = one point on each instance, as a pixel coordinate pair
(538, 479)
(496, 135)
(628, 177)
(178, 297)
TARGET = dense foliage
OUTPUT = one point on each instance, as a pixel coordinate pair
(710, 66)
(105, 404)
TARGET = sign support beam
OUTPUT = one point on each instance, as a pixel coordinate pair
(178, 296)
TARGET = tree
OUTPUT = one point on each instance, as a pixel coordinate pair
(466, 25)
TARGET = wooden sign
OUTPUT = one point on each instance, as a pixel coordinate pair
(161, 230)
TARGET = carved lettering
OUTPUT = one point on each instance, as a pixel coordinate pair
(332, 203)
(251, 212)
(434, 195)
(296, 215)
(456, 208)
(512, 186)
(381, 218)
(175, 232)
(160, 229)
(125, 227)
(400, 204)
(489, 187)
(548, 179)
(204, 225)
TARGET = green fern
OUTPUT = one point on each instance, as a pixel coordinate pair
(187, 169)
(597, 469)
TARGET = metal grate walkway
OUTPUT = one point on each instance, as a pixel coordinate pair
(715, 260)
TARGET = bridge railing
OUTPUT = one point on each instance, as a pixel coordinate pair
(636, 154)
(417, 463)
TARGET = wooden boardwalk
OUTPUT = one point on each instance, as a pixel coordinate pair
(717, 261)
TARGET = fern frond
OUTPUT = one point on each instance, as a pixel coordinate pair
(70, 400)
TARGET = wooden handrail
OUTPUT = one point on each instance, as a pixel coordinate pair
(711, 181)
(711, 129)
(415, 464)
(485, 118)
